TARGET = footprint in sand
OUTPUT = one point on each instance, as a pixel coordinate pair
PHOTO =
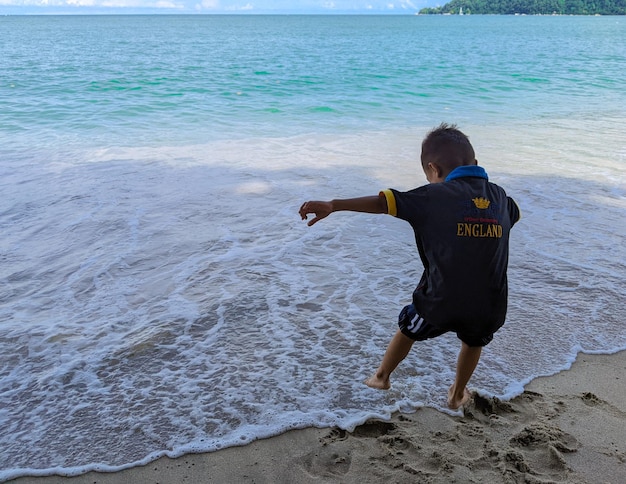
(374, 429)
(333, 436)
(590, 399)
(488, 407)
(541, 447)
(326, 463)
(544, 435)
(331, 460)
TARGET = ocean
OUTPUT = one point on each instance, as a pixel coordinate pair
(160, 294)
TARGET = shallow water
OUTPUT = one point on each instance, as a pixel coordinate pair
(161, 295)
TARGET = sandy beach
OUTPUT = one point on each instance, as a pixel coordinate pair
(569, 427)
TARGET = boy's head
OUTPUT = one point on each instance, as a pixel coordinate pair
(444, 149)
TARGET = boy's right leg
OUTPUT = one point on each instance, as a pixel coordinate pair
(397, 350)
(458, 394)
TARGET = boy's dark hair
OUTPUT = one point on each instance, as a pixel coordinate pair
(447, 147)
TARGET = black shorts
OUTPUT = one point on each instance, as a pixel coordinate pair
(415, 327)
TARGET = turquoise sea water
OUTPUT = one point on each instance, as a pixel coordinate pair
(160, 294)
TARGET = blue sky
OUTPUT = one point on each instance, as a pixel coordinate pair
(215, 6)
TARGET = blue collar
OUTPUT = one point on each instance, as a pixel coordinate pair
(467, 170)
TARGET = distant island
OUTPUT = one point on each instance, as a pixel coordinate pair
(530, 7)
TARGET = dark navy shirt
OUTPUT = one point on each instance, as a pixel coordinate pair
(461, 229)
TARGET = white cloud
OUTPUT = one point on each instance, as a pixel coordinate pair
(81, 3)
(160, 4)
(121, 3)
(247, 6)
(217, 6)
(408, 4)
(166, 4)
(238, 8)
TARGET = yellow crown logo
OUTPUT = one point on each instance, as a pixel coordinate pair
(481, 202)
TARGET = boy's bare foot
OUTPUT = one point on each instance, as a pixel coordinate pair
(378, 382)
(456, 403)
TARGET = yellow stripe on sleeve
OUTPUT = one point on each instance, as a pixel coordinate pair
(391, 202)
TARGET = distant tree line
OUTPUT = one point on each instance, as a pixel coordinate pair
(531, 7)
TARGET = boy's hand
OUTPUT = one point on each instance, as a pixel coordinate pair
(320, 209)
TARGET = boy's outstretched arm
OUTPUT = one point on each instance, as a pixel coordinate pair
(373, 204)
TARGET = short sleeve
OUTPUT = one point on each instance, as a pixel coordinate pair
(514, 211)
(392, 208)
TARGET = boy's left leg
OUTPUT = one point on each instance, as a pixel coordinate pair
(458, 394)
(397, 350)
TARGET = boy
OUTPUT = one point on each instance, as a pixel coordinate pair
(461, 223)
